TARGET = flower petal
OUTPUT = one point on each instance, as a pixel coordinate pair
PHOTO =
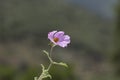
(59, 34)
(67, 38)
(51, 35)
(63, 44)
(65, 41)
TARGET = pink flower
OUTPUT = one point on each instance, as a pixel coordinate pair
(58, 38)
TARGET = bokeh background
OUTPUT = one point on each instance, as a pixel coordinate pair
(94, 27)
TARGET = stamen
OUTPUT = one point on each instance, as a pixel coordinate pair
(56, 39)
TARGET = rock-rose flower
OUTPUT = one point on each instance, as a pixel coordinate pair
(59, 38)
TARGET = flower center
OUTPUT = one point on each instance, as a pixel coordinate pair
(56, 39)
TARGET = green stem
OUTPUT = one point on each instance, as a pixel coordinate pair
(51, 62)
(49, 66)
(51, 51)
(40, 78)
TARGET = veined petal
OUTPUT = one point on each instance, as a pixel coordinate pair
(51, 35)
(63, 44)
(59, 34)
(66, 37)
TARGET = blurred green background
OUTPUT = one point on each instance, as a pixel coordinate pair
(94, 52)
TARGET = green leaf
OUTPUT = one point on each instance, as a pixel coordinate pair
(45, 73)
(43, 68)
(35, 78)
(48, 55)
(46, 52)
(61, 64)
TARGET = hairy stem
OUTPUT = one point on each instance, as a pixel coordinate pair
(49, 66)
(51, 62)
(50, 58)
(51, 51)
